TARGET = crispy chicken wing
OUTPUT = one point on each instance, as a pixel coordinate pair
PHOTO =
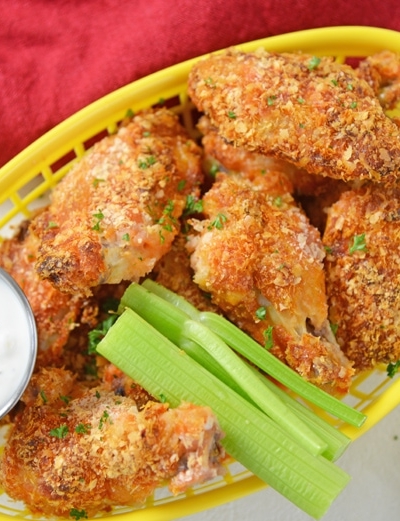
(363, 274)
(117, 211)
(56, 314)
(255, 251)
(90, 449)
(315, 192)
(313, 112)
(382, 72)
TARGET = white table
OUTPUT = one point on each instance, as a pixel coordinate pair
(373, 494)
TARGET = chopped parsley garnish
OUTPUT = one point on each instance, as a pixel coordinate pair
(129, 113)
(95, 335)
(231, 114)
(126, 237)
(214, 168)
(82, 428)
(218, 222)
(277, 201)
(335, 83)
(104, 418)
(349, 86)
(99, 216)
(59, 432)
(393, 368)
(314, 62)
(52, 224)
(181, 185)
(146, 163)
(359, 244)
(269, 341)
(353, 105)
(78, 514)
(261, 313)
(334, 328)
(210, 82)
(301, 101)
(163, 398)
(65, 399)
(193, 205)
(97, 181)
(271, 100)
(43, 396)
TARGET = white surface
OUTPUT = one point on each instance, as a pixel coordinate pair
(373, 494)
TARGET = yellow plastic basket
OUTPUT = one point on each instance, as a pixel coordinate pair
(30, 175)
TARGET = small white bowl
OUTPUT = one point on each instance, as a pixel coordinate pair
(18, 342)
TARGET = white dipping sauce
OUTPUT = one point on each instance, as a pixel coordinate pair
(18, 342)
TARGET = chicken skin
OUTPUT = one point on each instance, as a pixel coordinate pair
(262, 263)
(315, 192)
(312, 112)
(382, 72)
(117, 211)
(362, 238)
(56, 313)
(86, 450)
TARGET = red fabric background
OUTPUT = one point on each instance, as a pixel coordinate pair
(57, 56)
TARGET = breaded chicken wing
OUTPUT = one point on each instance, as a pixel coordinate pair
(88, 449)
(117, 211)
(315, 192)
(262, 263)
(56, 313)
(362, 238)
(312, 112)
(382, 72)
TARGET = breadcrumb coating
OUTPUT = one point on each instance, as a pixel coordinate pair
(128, 194)
(362, 237)
(313, 112)
(254, 250)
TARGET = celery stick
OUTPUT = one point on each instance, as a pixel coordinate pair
(171, 297)
(311, 483)
(261, 395)
(154, 309)
(262, 358)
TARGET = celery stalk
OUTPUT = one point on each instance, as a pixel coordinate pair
(250, 349)
(154, 309)
(142, 352)
(262, 358)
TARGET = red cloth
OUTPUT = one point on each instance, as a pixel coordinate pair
(56, 56)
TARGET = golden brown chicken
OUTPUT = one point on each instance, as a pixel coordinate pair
(362, 238)
(262, 263)
(84, 450)
(117, 211)
(315, 192)
(313, 112)
(56, 314)
(382, 72)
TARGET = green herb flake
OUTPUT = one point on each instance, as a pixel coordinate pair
(393, 368)
(99, 216)
(97, 395)
(218, 222)
(358, 244)
(105, 417)
(146, 133)
(143, 164)
(313, 63)
(181, 185)
(335, 83)
(43, 396)
(52, 224)
(59, 432)
(97, 181)
(301, 101)
(126, 237)
(261, 313)
(350, 86)
(78, 514)
(353, 105)
(210, 82)
(277, 201)
(163, 398)
(65, 399)
(271, 100)
(97, 334)
(129, 113)
(269, 341)
(193, 205)
(231, 114)
(214, 169)
(83, 428)
(334, 328)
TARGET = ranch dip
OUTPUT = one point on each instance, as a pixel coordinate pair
(18, 342)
